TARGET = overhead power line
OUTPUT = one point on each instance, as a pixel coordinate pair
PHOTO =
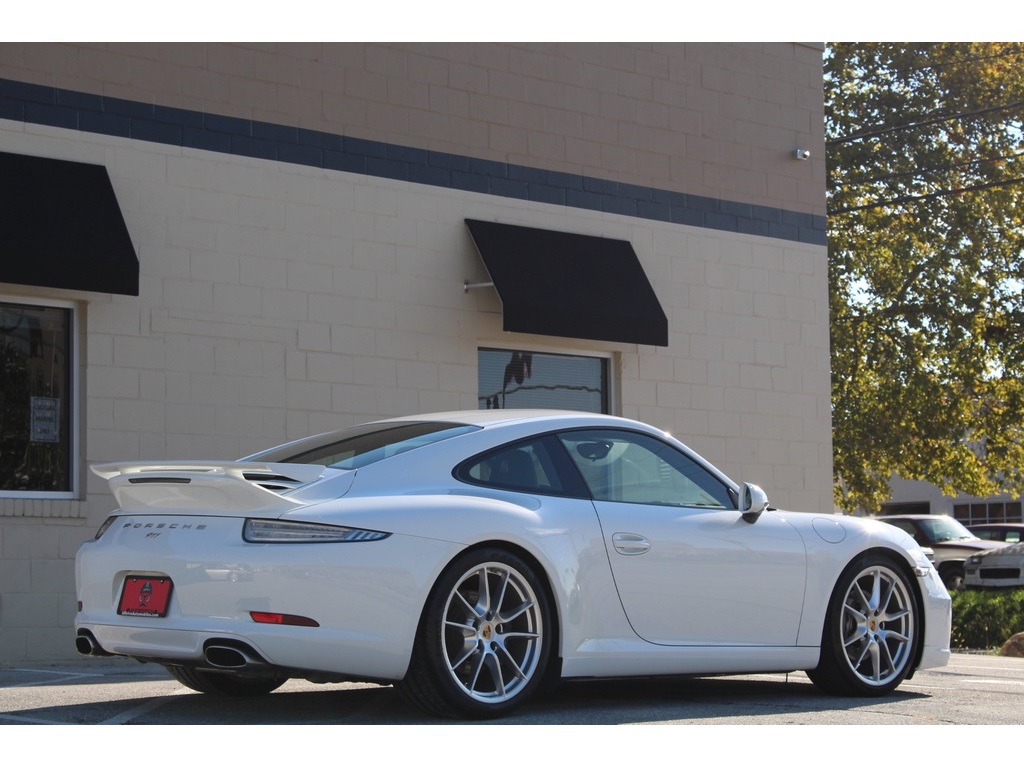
(881, 130)
(933, 195)
(923, 170)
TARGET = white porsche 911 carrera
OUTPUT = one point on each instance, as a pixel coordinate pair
(471, 558)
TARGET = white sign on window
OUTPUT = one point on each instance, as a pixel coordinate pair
(45, 420)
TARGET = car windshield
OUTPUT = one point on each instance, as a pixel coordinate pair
(358, 446)
(945, 529)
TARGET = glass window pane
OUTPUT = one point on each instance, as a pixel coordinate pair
(1013, 514)
(361, 445)
(636, 468)
(537, 466)
(35, 398)
(523, 379)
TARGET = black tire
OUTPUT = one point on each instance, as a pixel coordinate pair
(872, 629)
(952, 575)
(224, 683)
(485, 638)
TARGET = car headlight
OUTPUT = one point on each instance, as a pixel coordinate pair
(288, 532)
(974, 559)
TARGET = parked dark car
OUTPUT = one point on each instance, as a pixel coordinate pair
(950, 540)
(1011, 533)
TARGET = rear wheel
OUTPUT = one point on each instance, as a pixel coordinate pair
(224, 683)
(871, 632)
(484, 640)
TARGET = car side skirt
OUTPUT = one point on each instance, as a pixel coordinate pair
(609, 659)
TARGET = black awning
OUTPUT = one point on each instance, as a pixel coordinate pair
(61, 227)
(564, 284)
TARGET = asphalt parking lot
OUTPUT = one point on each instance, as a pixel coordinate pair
(747, 719)
(973, 690)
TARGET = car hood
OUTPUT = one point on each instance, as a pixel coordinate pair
(1015, 550)
(974, 545)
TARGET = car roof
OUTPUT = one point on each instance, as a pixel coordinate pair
(506, 417)
(483, 418)
(553, 419)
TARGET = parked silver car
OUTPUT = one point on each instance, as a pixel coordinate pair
(950, 540)
(996, 568)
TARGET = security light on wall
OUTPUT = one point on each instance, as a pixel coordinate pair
(466, 285)
(801, 154)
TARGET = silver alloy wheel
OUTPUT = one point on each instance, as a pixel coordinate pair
(492, 633)
(877, 626)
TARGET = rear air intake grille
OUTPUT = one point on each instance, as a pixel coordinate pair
(272, 482)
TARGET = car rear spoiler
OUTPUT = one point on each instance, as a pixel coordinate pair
(229, 487)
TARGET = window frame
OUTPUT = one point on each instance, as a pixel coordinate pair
(73, 399)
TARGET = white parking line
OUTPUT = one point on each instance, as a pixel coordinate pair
(30, 720)
(130, 714)
(60, 676)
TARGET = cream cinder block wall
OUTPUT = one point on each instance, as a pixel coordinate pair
(714, 119)
(277, 300)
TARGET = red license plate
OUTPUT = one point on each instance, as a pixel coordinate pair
(145, 596)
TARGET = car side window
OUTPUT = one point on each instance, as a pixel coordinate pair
(534, 466)
(619, 465)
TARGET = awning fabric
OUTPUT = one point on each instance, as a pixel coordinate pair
(61, 227)
(565, 284)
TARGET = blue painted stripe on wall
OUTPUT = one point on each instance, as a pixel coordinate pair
(61, 108)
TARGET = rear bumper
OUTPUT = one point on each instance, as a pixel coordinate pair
(331, 653)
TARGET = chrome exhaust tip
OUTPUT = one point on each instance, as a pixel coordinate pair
(86, 645)
(231, 657)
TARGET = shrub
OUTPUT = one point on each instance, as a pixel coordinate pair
(985, 619)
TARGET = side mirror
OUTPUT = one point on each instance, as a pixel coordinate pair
(753, 501)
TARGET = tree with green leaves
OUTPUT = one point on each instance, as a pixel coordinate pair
(925, 155)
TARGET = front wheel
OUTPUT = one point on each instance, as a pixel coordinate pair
(952, 575)
(871, 631)
(484, 640)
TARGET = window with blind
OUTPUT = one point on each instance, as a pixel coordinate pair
(525, 379)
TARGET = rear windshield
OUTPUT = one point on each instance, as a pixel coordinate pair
(358, 446)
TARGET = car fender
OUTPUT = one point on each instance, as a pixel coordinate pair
(568, 547)
(833, 542)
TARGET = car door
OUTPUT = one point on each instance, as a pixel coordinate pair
(688, 569)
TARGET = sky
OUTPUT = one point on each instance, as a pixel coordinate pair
(529, 20)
